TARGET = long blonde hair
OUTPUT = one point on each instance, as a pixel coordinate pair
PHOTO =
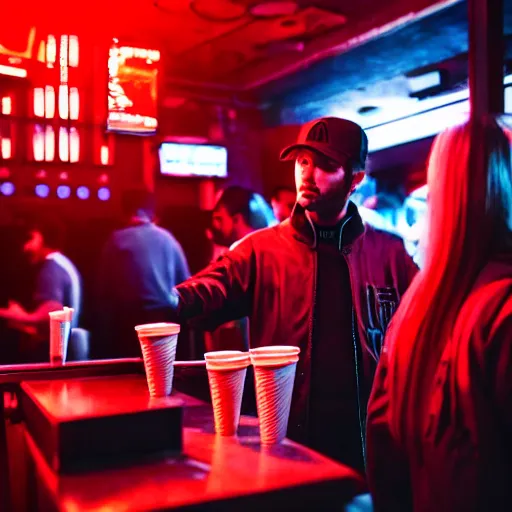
(470, 211)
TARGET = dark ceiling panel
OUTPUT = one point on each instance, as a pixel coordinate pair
(436, 38)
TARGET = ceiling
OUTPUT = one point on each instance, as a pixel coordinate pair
(230, 45)
(371, 83)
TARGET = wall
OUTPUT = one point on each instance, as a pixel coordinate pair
(274, 172)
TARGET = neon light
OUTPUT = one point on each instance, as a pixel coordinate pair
(74, 145)
(63, 191)
(7, 188)
(73, 51)
(103, 194)
(74, 103)
(49, 144)
(63, 144)
(51, 50)
(63, 101)
(64, 59)
(82, 192)
(12, 71)
(38, 143)
(423, 82)
(104, 155)
(49, 101)
(6, 105)
(42, 190)
(39, 102)
(417, 127)
(6, 148)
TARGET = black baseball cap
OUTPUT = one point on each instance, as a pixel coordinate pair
(338, 139)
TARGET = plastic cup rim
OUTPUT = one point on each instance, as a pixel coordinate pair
(158, 329)
(227, 360)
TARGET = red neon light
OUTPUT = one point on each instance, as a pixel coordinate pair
(49, 144)
(49, 102)
(73, 51)
(74, 103)
(39, 102)
(63, 144)
(6, 148)
(6, 105)
(104, 155)
(12, 71)
(38, 143)
(51, 50)
(63, 101)
(74, 145)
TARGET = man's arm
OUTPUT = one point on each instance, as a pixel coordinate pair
(48, 295)
(220, 293)
(16, 314)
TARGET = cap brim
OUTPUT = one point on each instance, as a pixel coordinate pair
(319, 147)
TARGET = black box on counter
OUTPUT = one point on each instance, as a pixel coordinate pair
(99, 422)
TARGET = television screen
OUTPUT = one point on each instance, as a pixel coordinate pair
(132, 89)
(178, 159)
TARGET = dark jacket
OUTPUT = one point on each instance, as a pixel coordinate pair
(270, 277)
(466, 448)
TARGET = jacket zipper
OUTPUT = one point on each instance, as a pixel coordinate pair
(362, 422)
(310, 340)
(356, 352)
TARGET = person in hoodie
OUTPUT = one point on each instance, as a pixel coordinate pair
(440, 414)
(139, 265)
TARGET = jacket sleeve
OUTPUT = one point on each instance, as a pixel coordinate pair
(220, 293)
(386, 465)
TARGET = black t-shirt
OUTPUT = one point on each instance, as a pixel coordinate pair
(334, 427)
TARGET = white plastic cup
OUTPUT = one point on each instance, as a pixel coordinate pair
(274, 374)
(60, 329)
(226, 374)
(158, 344)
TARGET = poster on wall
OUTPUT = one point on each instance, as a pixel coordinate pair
(132, 89)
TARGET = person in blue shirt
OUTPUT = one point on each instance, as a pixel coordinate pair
(57, 284)
(139, 266)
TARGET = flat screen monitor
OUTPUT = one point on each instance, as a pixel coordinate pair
(201, 160)
(132, 89)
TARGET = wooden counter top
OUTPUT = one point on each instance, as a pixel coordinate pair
(214, 474)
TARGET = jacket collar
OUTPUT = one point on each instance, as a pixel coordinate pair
(304, 229)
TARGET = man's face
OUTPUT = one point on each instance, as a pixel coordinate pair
(34, 246)
(223, 227)
(283, 204)
(322, 185)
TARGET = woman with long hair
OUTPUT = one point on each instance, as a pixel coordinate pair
(440, 415)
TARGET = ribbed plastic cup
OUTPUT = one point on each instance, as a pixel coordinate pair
(226, 375)
(274, 373)
(60, 329)
(158, 344)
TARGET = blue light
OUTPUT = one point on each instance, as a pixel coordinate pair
(103, 194)
(42, 190)
(63, 191)
(7, 188)
(82, 192)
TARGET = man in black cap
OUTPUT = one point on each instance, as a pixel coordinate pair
(322, 281)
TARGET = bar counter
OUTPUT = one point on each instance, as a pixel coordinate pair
(212, 473)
